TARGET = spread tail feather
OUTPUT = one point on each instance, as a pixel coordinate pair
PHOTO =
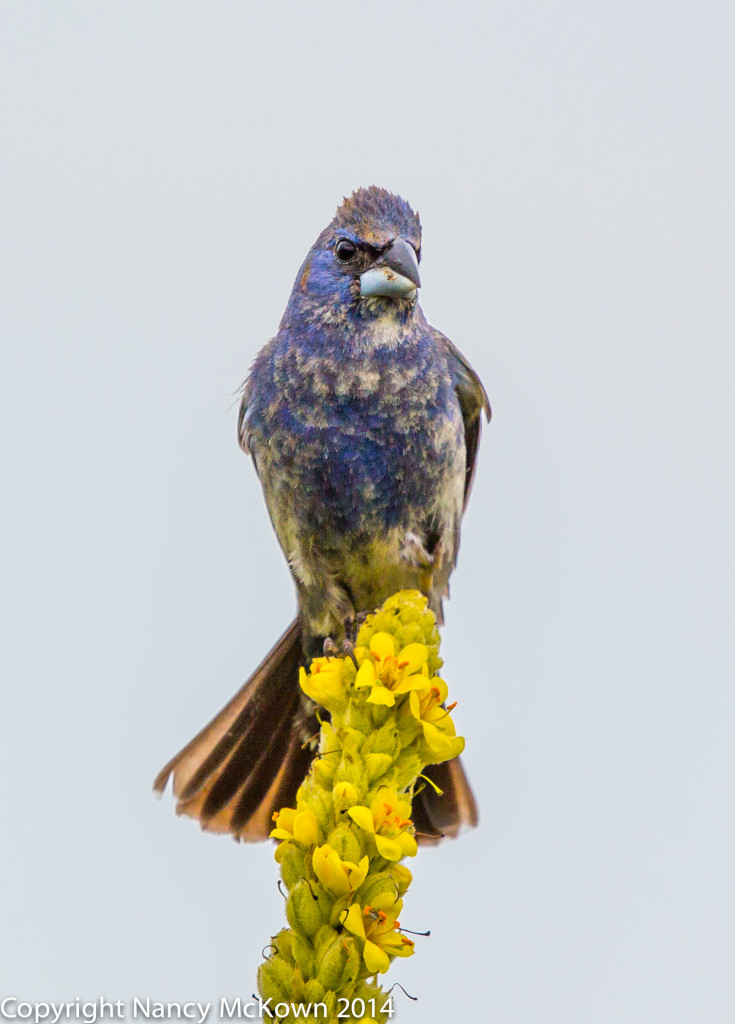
(250, 760)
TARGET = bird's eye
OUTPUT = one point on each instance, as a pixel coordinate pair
(345, 250)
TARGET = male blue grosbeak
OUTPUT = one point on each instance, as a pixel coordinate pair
(363, 423)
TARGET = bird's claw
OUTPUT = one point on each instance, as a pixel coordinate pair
(349, 649)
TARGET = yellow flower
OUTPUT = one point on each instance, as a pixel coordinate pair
(339, 876)
(435, 720)
(299, 825)
(324, 682)
(388, 673)
(379, 930)
(387, 818)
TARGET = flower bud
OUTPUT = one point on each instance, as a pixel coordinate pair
(373, 996)
(292, 861)
(320, 801)
(303, 909)
(351, 741)
(380, 891)
(383, 740)
(347, 842)
(282, 943)
(322, 768)
(360, 718)
(314, 992)
(410, 616)
(323, 938)
(303, 954)
(376, 765)
(344, 794)
(401, 876)
(276, 979)
(338, 964)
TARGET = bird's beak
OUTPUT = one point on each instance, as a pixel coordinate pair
(395, 275)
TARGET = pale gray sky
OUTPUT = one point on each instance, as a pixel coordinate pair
(165, 167)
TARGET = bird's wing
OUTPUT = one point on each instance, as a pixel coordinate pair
(473, 401)
(245, 437)
(243, 426)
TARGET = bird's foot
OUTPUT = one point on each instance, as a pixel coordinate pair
(414, 552)
(330, 648)
(335, 650)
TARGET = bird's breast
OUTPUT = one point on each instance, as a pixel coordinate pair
(360, 444)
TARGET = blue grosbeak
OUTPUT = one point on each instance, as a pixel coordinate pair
(363, 423)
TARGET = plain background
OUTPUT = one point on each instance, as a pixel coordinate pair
(165, 167)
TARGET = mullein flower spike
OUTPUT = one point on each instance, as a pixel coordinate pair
(340, 849)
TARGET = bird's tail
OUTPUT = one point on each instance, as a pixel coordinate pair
(253, 756)
(444, 804)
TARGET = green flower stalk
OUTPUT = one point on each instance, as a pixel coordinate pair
(341, 848)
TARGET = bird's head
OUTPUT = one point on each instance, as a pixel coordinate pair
(367, 258)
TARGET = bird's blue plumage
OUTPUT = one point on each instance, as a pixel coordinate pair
(356, 414)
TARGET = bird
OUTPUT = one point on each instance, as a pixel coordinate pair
(363, 423)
